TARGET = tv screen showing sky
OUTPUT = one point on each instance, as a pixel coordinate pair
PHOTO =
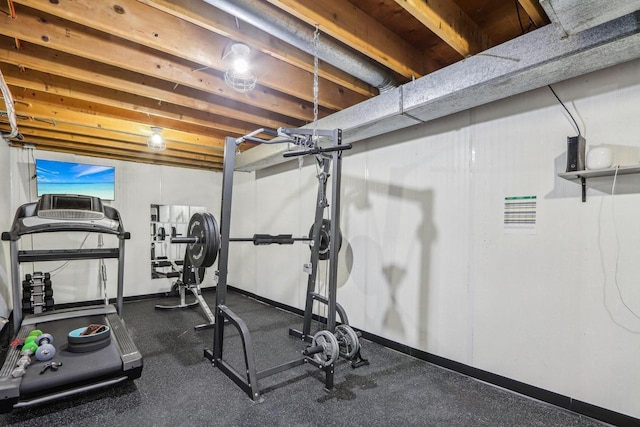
(54, 177)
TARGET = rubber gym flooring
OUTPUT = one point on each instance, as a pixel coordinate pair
(180, 387)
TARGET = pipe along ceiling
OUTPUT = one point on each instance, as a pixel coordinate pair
(533, 60)
(297, 33)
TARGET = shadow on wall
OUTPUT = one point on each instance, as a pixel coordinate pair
(378, 262)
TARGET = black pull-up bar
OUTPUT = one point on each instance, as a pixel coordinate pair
(318, 150)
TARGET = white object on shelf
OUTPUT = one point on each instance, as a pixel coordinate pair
(599, 157)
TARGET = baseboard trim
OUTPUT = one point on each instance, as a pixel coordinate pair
(559, 400)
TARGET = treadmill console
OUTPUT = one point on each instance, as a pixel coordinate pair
(70, 207)
(64, 213)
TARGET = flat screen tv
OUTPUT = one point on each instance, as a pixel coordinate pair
(54, 177)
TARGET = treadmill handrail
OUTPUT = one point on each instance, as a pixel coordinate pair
(28, 210)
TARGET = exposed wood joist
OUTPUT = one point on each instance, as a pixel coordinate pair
(55, 141)
(94, 145)
(345, 22)
(153, 158)
(43, 29)
(199, 13)
(140, 23)
(135, 105)
(450, 23)
(73, 67)
(88, 74)
(71, 132)
(47, 107)
(535, 12)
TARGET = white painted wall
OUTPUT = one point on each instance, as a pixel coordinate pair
(137, 187)
(427, 262)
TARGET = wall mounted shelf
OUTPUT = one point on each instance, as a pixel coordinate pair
(582, 176)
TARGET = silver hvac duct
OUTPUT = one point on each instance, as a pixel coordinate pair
(300, 35)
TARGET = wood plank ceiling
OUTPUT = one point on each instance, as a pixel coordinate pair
(92, 77)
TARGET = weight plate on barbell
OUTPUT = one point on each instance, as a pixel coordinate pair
(204, 228)
(325, 239)
(348, 342)
(330, 347)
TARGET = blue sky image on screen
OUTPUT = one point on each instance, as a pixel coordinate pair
(55, 177)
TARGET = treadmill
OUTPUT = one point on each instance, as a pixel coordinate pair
(80, 372)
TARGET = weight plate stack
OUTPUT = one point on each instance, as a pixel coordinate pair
(78, 343)
(204, 228)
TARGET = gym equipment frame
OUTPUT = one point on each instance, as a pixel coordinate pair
(191, 278)
(323, 352)
(116, 362)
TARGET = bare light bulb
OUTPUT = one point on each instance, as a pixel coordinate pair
(241, 65)
(156, 139)
(156, 142)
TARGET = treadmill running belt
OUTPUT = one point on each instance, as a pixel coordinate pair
(77, 368)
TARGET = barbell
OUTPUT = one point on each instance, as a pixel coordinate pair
(203, 239)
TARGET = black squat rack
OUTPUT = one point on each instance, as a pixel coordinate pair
(326, 345)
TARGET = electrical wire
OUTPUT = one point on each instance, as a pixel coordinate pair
(566, 109)
(518, 13)
(11, 111)
(604, 272)
(63, 266)
(615, 230)
(531, 22)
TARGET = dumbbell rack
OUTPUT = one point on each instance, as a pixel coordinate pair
(37, 293)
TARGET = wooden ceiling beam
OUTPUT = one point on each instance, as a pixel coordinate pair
(535, 12)
(135, 105)
(70, 141)
(103, 113)
(41, 107)
(199, 13)
(73, 67)
(143, 24)
(152, 158)
(450, 23)
(350, 25)
(46, 30)
(130, 142)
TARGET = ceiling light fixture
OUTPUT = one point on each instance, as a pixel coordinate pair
(238, 74)
(156, 142)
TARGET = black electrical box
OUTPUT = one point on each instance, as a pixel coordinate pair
(575, 153)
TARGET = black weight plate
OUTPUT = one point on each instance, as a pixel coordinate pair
(88, 347)
(214, 242)
(74, 336)
(203, 227)
(325, 239)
